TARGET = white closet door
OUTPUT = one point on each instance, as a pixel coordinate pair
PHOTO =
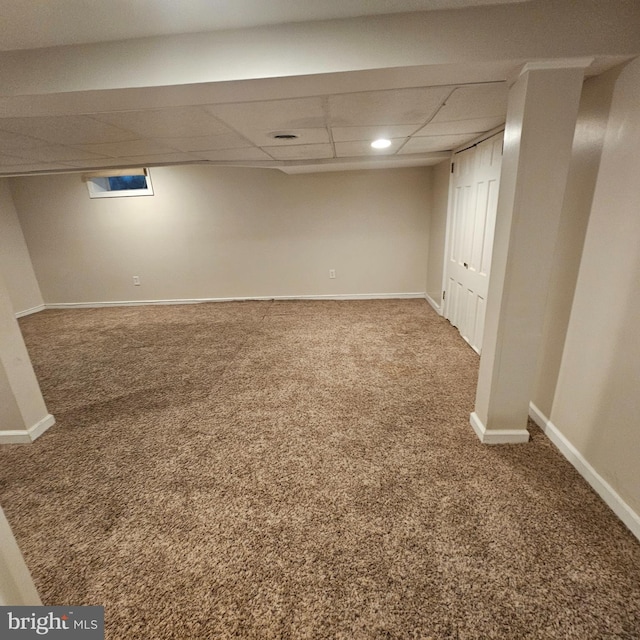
(475, 181)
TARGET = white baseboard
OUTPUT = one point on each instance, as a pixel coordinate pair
(138, 303)
(497, 436)
(28, 435)
(538, 417)
(436, 307)
(630, 518)
(28, 312)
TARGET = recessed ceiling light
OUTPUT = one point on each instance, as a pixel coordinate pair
(381, 143)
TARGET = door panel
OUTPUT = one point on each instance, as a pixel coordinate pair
(490, 223)
(475, 183)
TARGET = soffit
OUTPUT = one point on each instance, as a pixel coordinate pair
(30, 24)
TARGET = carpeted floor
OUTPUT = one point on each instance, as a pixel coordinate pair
(300, 470)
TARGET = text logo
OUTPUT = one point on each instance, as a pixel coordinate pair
(53, 623)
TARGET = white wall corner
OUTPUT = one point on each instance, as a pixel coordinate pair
(436, 307)
(538, 417)
(611, 497)
(27, 436)
(497, 436)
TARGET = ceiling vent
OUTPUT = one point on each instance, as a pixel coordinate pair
(282, 135)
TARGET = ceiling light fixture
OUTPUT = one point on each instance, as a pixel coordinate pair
(381, 143)
(284, 136)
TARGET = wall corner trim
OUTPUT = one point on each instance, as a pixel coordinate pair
(436, 307)
(28, 312)
(628, 516)
(28, 435)
(497, 436)
(558, 63)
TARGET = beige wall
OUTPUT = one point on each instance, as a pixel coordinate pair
(597, 399)
(15, 262)
(585, 162)
(213, 232)
(438, 229)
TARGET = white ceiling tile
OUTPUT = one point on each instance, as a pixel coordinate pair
(234, 154)
(169, 158)
(15, 141)
(58, 153)
(349, 134)
(30, 168)
(166, 123)
(66, 129)
(435, 143)
(131, 148)
(262, 138)
(272, 115)
(457, 127)
(101, 163)
(134, 161)
(475, 101)
(300, 151)
(352, 164)
(401, 106)
(206, 143)
(364, 148)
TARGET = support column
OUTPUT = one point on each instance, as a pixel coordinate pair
(23, 414)
(541, 119)
(16, 585)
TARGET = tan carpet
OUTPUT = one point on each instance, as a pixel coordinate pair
(300, 470)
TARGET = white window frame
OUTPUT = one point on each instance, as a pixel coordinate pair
(98, 183)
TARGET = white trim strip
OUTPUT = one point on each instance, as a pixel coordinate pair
(476, 141)
(436, 307)
(557, 63)
(611, 497)
(497, 436)
(28, 312)
(137, 303)
(538, 417)
(28, 435)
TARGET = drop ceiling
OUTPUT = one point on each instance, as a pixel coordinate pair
(423, 124)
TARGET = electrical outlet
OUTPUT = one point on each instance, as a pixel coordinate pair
(136, 281)
(332, 273)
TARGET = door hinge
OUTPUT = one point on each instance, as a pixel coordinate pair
(453, 164)
(443, 294)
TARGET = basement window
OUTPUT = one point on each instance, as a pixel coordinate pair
(118, 183)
